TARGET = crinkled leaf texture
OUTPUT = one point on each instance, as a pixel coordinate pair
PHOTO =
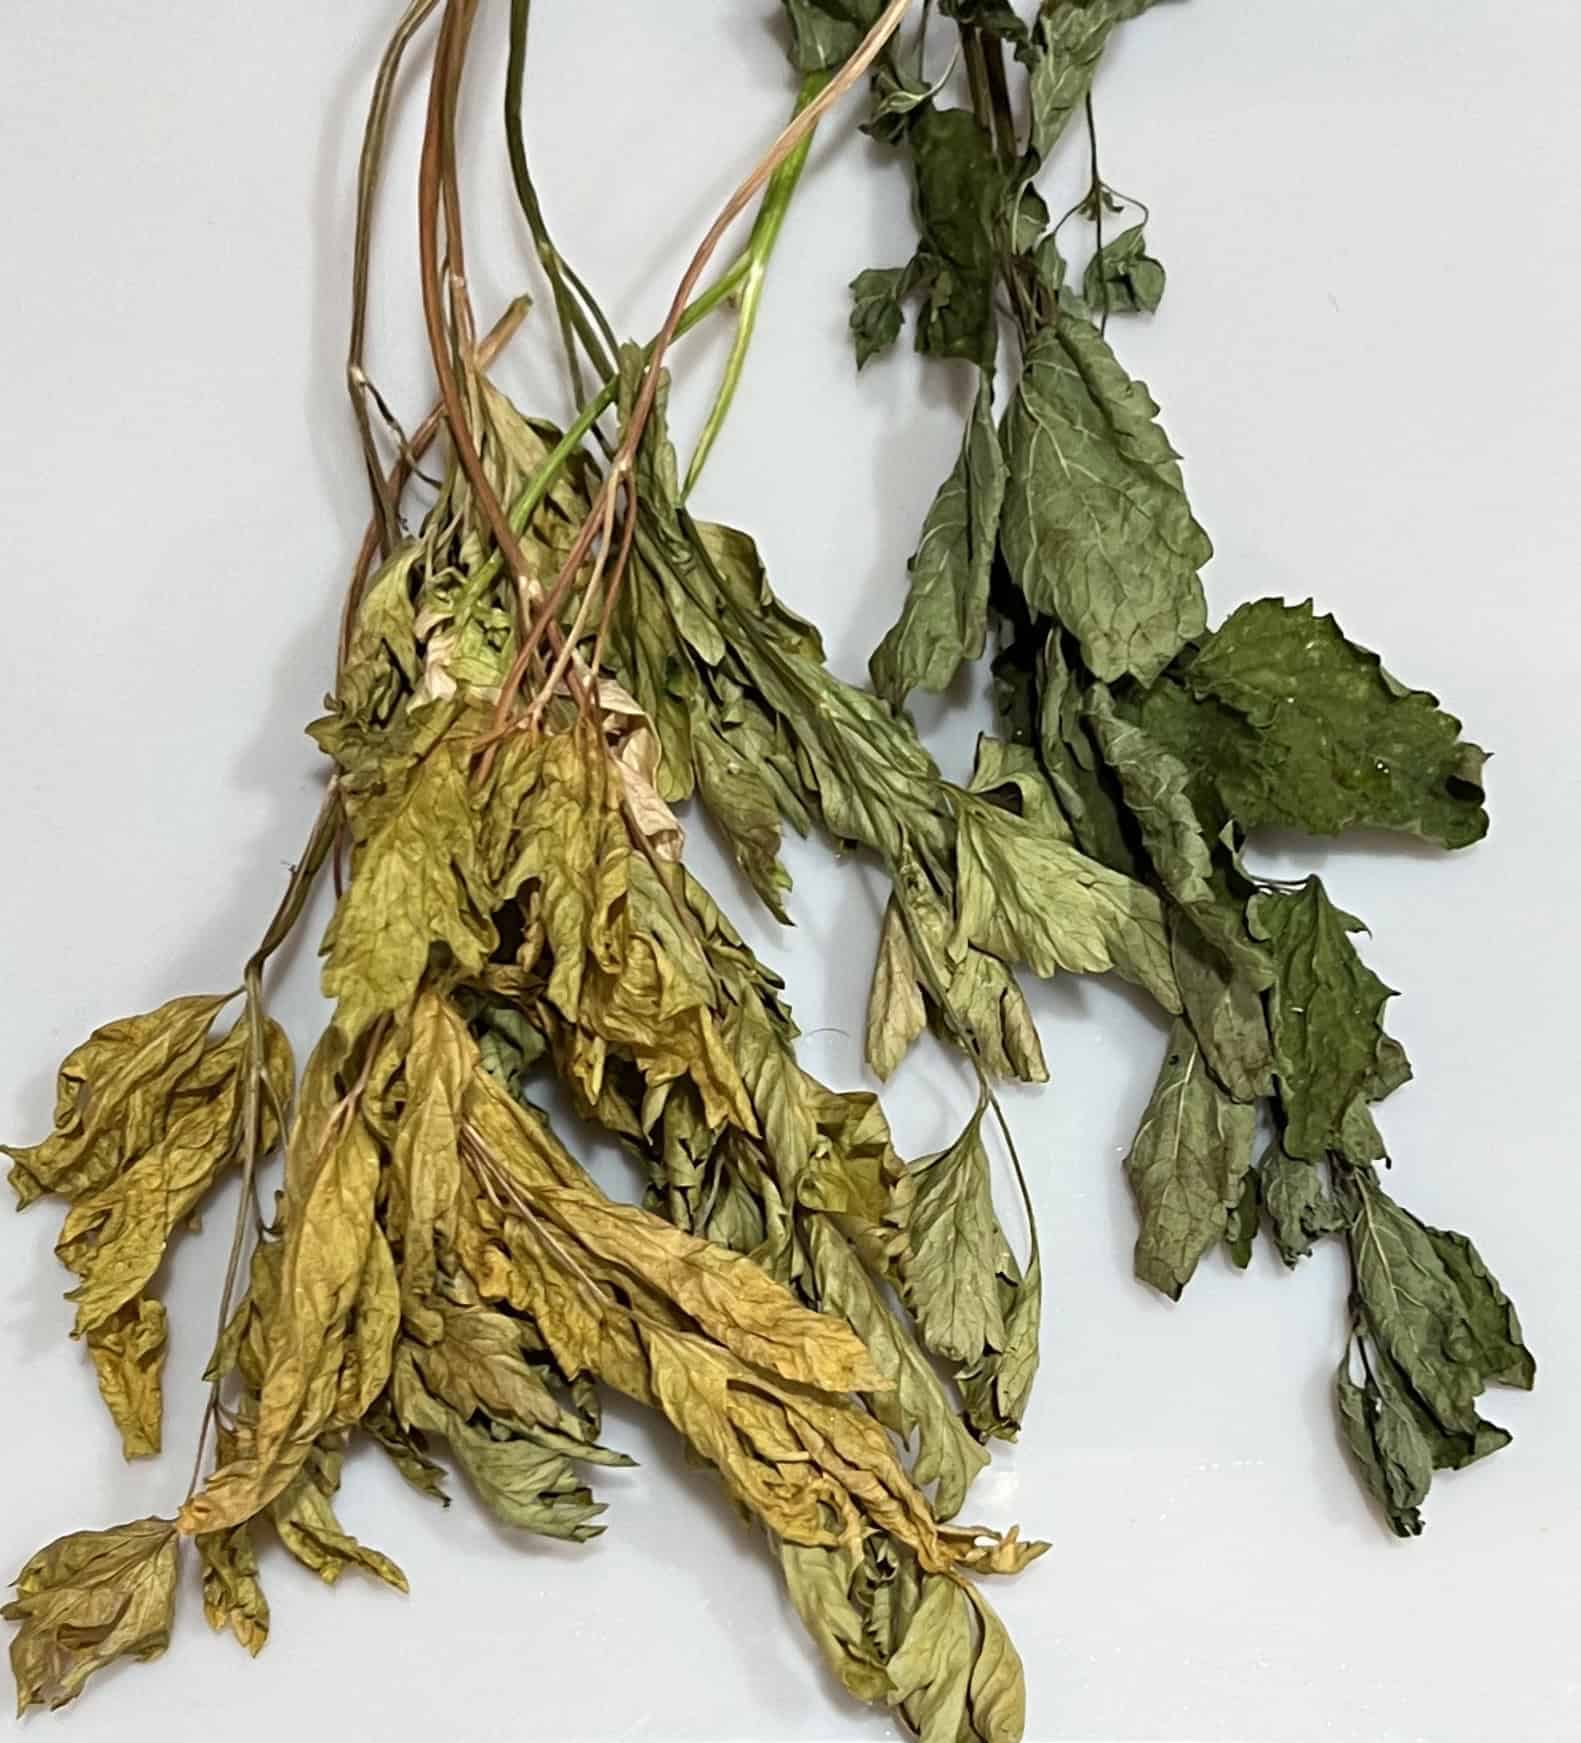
(945, 618)
(1187, 1166)
(1097, 529)
(1434, 1330)
(1302, 729)
(88, 1599)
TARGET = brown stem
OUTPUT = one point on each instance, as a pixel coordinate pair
(492, 344)
(432, 186)
(618, 477)
(384, 502)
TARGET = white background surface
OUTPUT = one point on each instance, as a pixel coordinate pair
(1368, 355)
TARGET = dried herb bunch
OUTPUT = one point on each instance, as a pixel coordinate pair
(539, 658)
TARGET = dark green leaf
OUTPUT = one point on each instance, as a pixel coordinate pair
(1300, 1206)
(960, 185)
(1187, 1165)
(1326, 1010)
(1241, 1234)
(1124, 278)
(1395, 1457)
(1224, 1006)
(826, 32)
(945, 617)
(876, 312)
(1097, 530)
(1306, 730)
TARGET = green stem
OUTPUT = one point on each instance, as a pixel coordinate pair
(999, 101)
(977, 77)
(595, 334)
(777, 197)
(526, 505)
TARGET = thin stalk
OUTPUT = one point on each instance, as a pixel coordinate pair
(1096, 197)
(384, 504)
(304, 874)
(437, 186)
(492, 343)
(579, 315)
(770, 220)
(999, 101)
(526, 504)
(977, 77)
(618, 476)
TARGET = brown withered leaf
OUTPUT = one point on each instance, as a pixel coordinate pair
(811, 1463)
(417, 884)
(111, 1096)
(86, 1600)
(303, 1516)
(128, 1351)
(332, 1173)
(917, 1402)
(115, 1238)
(232, 1597)
(571, 842)
(727, 1295)
(374, 1323)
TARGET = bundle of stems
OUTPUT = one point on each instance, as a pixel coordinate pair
(541, 654)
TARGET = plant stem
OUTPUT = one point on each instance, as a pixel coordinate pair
(582, 319)
(999, 101)
(777, 197)
(618, 478)
(304, 874)
(1097, 196)
(384, 503)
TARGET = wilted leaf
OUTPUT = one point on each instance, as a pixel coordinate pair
(1123, 278)
(877, 295)
(128, 1351)
(1326, 1011)
(1305, 730)
(1449, 1333)
(303, 1516)
(1155, 784)
(995, 1389)
(112, 1097)
(951, 1273)
(1025, 896)
(1224, 1005)
(959, 188)
(416, 884)
(956, 1677)
(820, 1584)
(945, 617)
(85, 1601)
(896, 1014)
(232, 1596)
(826, 32)
(332, 1173)
(1187, 1165)
(1097, 530)
(425, 1156)
(917, 1403)
(1068, 37)
(1381, 1430)
(1301, 1209)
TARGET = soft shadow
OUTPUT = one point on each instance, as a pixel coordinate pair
(1291, 847)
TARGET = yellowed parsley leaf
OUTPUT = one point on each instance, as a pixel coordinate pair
(128, 1351)
(88, 1599)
